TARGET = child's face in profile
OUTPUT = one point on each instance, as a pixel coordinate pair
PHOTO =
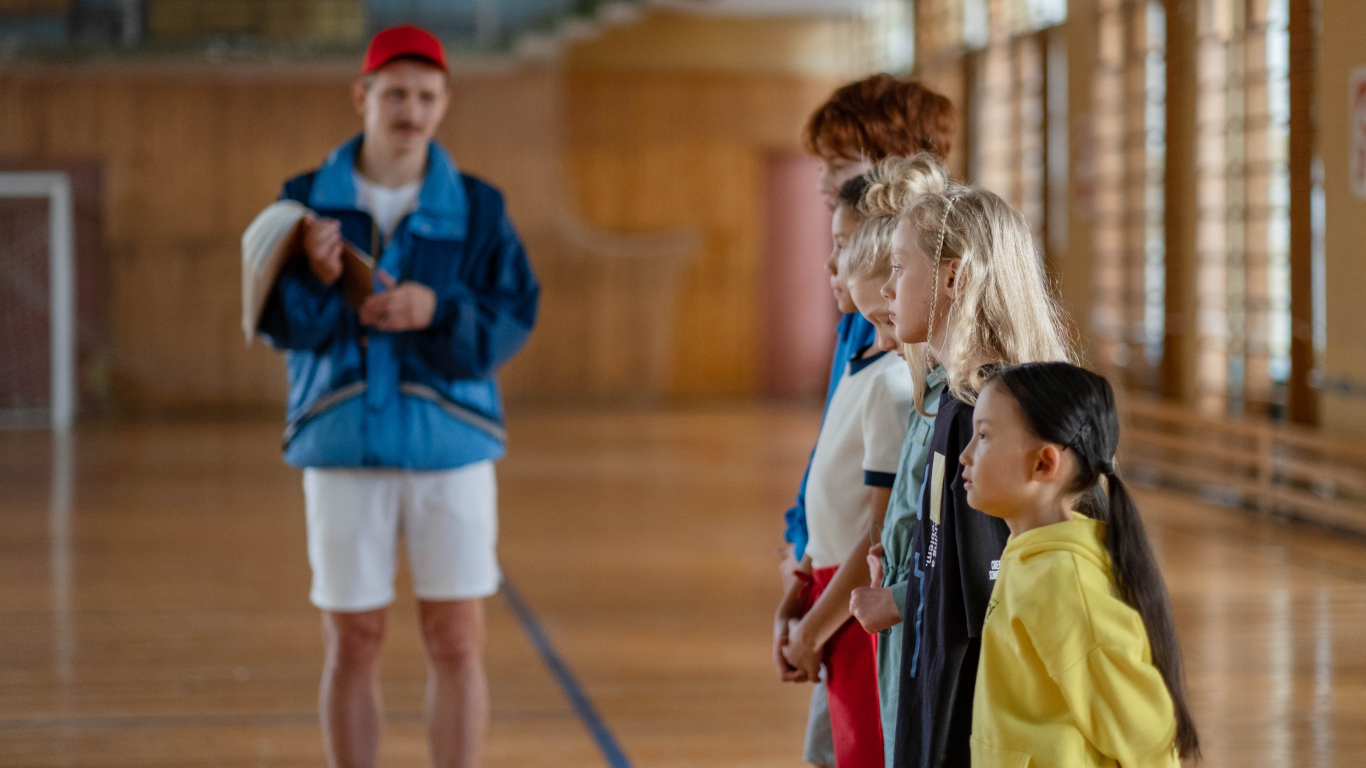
(996, 461)
(867, 296)
(910, 289)
(842, 227)
(835, 170)
(1008, 471)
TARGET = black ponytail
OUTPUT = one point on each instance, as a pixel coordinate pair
(1073, 407)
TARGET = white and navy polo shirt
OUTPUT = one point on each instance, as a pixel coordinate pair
(859, 446)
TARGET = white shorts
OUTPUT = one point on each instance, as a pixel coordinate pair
(449, 520)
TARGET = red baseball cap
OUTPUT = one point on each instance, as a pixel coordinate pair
(406, 40)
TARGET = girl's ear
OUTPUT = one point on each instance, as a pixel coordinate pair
(1048, 463)
(951, 284)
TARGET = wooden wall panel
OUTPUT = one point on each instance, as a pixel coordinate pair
(712, 186)
(652, 150)
(1343, 395)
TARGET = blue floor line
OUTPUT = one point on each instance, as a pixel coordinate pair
(607, 743)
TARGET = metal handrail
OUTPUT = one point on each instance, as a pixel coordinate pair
(1256, 463)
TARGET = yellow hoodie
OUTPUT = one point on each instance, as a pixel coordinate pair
(1066, 677)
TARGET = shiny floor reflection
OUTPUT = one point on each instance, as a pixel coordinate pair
(153, 602)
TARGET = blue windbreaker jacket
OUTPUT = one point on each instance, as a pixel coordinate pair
(418, 400)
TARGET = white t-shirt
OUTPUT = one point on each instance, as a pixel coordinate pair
(388, 205)
(860, 440)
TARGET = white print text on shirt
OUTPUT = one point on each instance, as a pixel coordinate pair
(932, 551)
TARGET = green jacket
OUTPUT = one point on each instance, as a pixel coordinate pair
(899, 524)
(898, 528)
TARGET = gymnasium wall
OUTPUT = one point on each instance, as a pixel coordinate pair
(657, 150)
(661, 161)
(1343, 49)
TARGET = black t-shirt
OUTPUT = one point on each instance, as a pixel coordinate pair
(957, 552)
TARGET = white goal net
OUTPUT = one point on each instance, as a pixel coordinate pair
(37, 302)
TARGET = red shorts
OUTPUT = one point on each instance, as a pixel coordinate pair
(851, 684)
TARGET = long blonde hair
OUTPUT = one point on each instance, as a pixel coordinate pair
(894, 184)
(1004, 313)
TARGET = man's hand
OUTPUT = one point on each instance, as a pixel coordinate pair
(323, 246)
(405, 306)
(874, 608)
(800, 653)
(875, 554)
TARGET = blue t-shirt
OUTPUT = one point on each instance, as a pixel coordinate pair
(852, 334)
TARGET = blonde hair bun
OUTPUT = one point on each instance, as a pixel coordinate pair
(895, 182)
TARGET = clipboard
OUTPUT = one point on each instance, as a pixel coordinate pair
(358, 274)
(274, 238)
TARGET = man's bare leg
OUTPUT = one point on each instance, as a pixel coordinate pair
(349, 700)
(457, 689)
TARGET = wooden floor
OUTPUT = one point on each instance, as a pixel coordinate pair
(153, 603)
